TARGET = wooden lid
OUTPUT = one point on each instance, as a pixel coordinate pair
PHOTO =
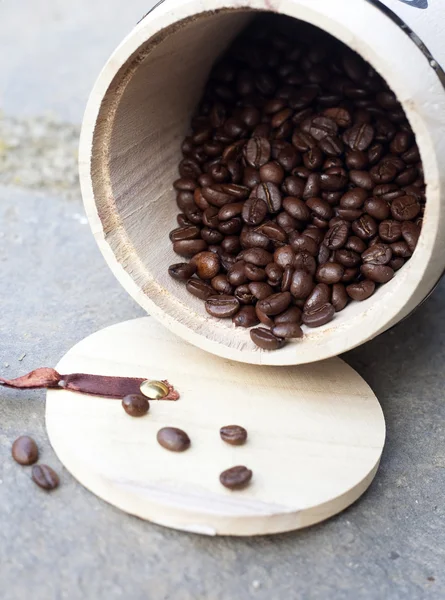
(315, 435)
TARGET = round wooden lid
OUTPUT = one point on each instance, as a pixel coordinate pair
(315, 435)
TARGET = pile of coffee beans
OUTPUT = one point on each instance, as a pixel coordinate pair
(301, 186)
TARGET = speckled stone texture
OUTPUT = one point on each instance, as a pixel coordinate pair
(56, 289)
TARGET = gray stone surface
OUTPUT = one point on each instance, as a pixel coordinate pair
(56, 289)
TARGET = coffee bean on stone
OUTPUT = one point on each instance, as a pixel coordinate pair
(24, 450)
(173, 439)
(135, 405)
(45, 477)
(236, 477)
(235, 435)
(222, 306)
(265, 339)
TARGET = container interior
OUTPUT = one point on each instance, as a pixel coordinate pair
(155, 95)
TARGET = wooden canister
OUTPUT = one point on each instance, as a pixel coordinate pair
(140, 109)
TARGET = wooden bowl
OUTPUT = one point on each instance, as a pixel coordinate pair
(140, 110)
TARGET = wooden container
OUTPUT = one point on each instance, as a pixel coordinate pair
(140, 110)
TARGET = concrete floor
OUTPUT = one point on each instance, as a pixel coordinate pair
(56, 289)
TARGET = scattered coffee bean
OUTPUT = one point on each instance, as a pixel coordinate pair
(236, 477)
(25, 451)
(233, 434)
(301, 185)
(174, 439)
(135, 405)
(45, 477)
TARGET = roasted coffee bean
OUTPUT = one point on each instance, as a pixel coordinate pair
(243, 294)
(302, 284)
(275, 271)
(313, 159)
(287, 278)
(405, 208)
(24, 450)
(273, 231)
(288, 157)
(319, 316)
(237, 273)
(265, 339)
(390, 231)
(251, 177)
(186, 184)
(313, 186)
(349, 214)
(222, 306)
(207, 264)
(230, 210)
(135, 405)
(272, 172)
(315, 233)
(221, 284)
(182, 220)
(231, 227)
(260, 290)
(410, 233)
(182, 271)
(275, 304)
(283, 257)
(293, 186)
(377, 273)
(396, 263)
(231, 244)
(321, 294)
(45, 477)
(361, 290)
(336, 236)
(270, 194)
(235, 435)
(227, 260)
(306, 262)
(263, 318)
(199, 289)
(378, 254)
(400, 249)
(254, 211)
(254, 273)
(236, 477)
(296, 208)
(291, 315)
(365, 227)
(320, 208)
(362, 179)
(188, 248)
(257, 152)
(333, 179)
(359, 137)
(210, 217)
(246, 317)
(287, 330)
(356, 244)
(256, 256)
(173, 439)
(211, 236)
(339, 297)
(347, 258)
(377, 208)
(350, 274)
(250, 238)
(303, 243)
(356, 159)
(329, 273)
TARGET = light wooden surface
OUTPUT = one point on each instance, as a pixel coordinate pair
(316, 435)
(139, 111)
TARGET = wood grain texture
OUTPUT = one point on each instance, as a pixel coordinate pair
(140, 109)
(316, 434)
